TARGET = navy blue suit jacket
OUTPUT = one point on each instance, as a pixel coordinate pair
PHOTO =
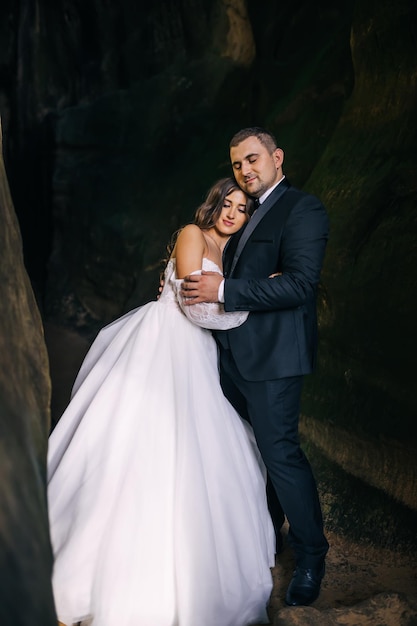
(288, 234)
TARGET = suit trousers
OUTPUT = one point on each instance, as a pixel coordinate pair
(272, 407)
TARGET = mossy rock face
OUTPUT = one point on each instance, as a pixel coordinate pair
(362, 511)
(25, 553)
(367, 179)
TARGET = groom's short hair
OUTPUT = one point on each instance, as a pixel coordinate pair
(265, 137)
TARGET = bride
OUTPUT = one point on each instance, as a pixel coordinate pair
(156, 490)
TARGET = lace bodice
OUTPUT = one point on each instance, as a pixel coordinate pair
(209, 315)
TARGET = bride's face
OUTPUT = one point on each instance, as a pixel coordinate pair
(233, 214)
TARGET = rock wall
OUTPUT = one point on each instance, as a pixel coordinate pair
(362, 399)
(25, 554)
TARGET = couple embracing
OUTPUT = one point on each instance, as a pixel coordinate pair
(157, 501)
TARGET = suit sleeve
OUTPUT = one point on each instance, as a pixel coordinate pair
(302, 249)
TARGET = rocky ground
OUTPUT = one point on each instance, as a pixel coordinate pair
(364, 585)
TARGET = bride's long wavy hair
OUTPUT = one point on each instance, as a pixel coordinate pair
(207, 214)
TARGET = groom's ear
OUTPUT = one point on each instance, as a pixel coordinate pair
(278, 157)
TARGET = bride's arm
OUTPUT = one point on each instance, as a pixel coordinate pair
(210, 315)
(189, 250)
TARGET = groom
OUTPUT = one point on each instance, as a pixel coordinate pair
(263, 362)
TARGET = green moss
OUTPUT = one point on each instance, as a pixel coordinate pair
(360, 512)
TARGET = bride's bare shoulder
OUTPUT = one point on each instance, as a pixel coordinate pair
(189, 235)
(190, 249)
(191, 230)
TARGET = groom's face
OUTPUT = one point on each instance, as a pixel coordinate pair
(254, 167)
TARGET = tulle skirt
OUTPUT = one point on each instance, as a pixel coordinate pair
(156, 490)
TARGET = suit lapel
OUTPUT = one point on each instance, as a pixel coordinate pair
(259, 214)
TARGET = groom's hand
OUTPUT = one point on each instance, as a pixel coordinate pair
(201, 288)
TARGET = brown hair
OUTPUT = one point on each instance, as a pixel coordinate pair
(265, 137)
(208, 213)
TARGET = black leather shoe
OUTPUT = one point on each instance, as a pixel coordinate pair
(304, 587)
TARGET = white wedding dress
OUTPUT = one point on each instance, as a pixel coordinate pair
(156, 491)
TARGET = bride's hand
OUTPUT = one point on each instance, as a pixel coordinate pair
(161, 286)
(277, 274)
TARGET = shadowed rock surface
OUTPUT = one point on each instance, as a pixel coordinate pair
(367, 177)
(25, 555)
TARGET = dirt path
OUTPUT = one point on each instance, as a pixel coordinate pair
(363, 586)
